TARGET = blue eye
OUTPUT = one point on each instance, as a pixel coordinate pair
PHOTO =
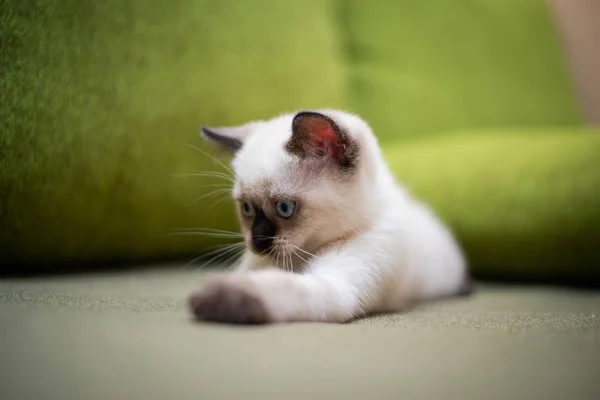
(286, 208)
(247, 209)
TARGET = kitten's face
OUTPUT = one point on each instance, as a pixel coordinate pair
(295, 178)
(286, 213)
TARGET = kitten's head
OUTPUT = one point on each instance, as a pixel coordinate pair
(300, 180)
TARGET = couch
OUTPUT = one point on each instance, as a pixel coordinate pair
(474, 107)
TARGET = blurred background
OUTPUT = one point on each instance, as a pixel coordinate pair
(484, 108)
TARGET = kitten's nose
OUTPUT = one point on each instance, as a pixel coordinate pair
(263, 231)
(262, 243)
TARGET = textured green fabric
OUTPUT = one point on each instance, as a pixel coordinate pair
(524, 203)
(127, 336)
(98, 96)
(422, 67)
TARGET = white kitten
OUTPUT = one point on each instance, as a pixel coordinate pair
(330, 235)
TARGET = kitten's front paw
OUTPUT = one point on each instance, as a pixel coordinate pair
(230, 300)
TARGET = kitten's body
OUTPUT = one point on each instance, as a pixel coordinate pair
(359, 242)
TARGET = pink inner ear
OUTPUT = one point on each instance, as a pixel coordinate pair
(323, 136)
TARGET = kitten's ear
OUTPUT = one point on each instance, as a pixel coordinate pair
(315, 135)
(231, 138)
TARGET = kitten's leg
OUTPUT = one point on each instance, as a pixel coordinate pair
(333, 289)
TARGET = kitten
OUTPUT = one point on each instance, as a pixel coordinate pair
(330, 235)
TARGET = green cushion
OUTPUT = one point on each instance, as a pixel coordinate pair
(525, 204)
(423, 67)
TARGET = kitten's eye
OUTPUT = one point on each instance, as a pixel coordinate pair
(286, 208)
(247, 209)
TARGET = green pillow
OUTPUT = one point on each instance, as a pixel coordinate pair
(525, 204)
(98, 95)
(427, 66)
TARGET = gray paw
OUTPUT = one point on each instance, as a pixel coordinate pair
(228, 300)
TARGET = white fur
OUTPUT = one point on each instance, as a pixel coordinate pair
(395, 251)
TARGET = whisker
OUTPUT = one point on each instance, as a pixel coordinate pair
(231, 260)
(193, 261)
(211, 172)
(199, 231)
(207, 174)
(290, 262)
(284, 260)
(217, 259)
(221, 248)
(214, 248)
(198, 172)
(209, 155)
(221, 198)
(269, 253)
(225, 252)
(222, 185)
(219, 202)
(299, 256)
(208, 234)
(209, 229)
(304, 251)
(226, 255)
(213, 193)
